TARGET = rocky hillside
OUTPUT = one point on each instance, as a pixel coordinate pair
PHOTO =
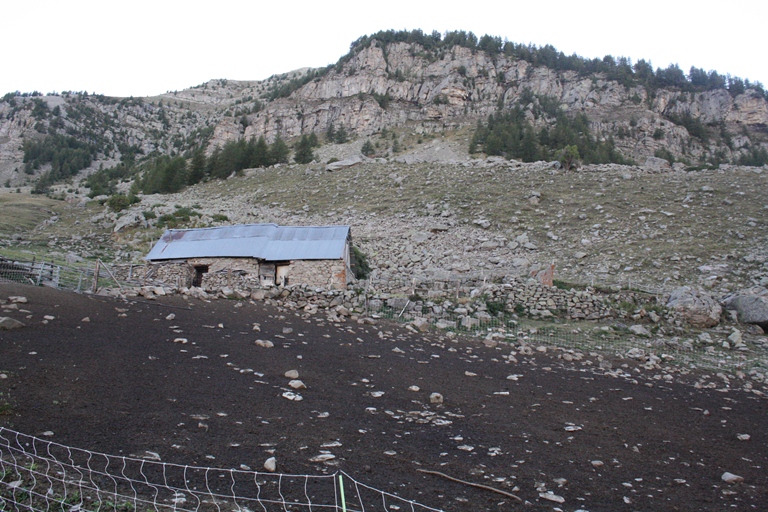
(422, 84)
(114, 130)
(463, 86)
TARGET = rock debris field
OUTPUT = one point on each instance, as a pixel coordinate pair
(237, 384)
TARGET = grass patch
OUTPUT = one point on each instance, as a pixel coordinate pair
(22, 212)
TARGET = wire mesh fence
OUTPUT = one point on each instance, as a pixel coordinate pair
(40, 475)
(91, 276)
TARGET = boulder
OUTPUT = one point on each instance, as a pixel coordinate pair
(751, 306)
(657, 164)
(696, 307)
(343, 164)
(639, 330)
(421, 323)
(130, 220)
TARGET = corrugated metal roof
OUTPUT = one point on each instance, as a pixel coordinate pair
(268, 242)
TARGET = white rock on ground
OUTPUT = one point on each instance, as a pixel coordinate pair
(730, 478)
(297, 384)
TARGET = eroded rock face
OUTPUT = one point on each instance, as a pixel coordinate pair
(435, 91)
(696, 307)
(751, 306)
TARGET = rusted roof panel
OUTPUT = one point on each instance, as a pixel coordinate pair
(268, 242)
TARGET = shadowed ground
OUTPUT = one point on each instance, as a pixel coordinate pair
(119, 384)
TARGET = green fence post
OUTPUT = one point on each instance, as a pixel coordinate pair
(341, 489)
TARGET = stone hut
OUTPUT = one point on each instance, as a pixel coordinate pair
(258, 255)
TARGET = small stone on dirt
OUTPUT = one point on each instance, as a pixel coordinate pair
(7, 323)
(730, 478)
(297, 384)
(551, 497)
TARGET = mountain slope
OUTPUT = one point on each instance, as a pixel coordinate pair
(407, 81)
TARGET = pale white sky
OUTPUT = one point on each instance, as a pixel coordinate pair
(142, 48)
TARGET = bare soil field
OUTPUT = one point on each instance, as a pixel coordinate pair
(535, 426)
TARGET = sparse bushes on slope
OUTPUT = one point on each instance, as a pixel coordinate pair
(511, 135)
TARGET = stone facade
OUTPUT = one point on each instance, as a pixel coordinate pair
(225, 272)
(237, 273)
(328, 274)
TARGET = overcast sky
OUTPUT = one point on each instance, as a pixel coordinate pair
(142, 48)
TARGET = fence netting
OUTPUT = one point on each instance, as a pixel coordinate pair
(38, 474)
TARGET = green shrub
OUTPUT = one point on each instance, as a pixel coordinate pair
(440, 99)
(495, 307)
(120, 202)
(360, 265)
(368, 149)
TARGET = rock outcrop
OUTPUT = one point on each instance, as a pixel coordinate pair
(697, 308)
(751, 306)
(461, 86)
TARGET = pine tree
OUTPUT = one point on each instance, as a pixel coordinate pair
(341, 135)
(260, 154)
(278, 152)
(196, 168)
(368, 149)
(303, 153)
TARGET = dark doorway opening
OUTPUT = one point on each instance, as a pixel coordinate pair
(199, 271)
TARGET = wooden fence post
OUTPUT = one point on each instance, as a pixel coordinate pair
(96, 277)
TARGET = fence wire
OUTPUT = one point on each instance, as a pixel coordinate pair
(40, 475)
(55, 274)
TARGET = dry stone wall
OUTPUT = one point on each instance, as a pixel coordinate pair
(174, 274)
(328, 274)
(227, 272)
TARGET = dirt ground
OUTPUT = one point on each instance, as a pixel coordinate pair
(526, 424)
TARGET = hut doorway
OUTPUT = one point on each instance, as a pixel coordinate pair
(199, 271)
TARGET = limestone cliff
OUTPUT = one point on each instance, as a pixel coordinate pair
(462, 85)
